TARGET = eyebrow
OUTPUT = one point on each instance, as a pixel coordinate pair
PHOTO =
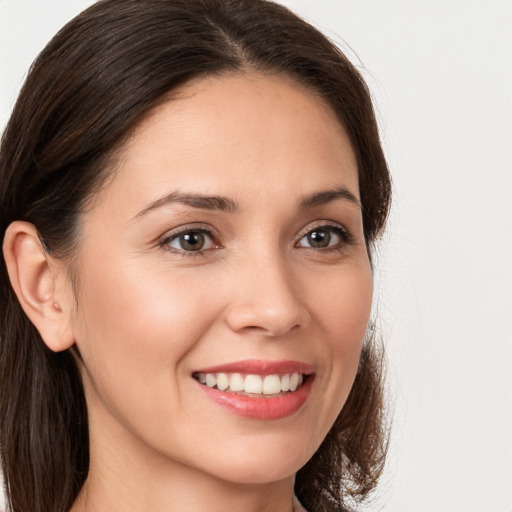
(327, 196)
(225, 204)
(194, 200)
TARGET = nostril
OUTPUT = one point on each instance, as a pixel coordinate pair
(268, 331)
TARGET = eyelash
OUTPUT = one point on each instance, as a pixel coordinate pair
(165, 243)
(345, 236)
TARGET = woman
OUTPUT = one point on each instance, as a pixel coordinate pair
(190, 192)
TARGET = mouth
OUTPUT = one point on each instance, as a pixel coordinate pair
(253, 385)
(258, 389)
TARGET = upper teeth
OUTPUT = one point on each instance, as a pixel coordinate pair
(256, 384)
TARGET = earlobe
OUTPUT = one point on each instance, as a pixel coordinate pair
(34, 280)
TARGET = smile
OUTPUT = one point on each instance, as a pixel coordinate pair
(252, 384)
(263, 390)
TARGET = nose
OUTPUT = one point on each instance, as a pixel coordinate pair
(267, 300)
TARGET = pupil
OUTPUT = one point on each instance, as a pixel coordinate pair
(192, 241)
(319, 238)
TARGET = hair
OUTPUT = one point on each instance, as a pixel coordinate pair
(95, 81)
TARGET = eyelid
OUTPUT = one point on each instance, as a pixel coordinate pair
(349, 238)
(206, 229)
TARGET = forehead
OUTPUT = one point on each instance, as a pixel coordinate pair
(238, 135)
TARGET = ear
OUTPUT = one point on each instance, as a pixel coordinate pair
(39, 282)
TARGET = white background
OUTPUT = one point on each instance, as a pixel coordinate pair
(441, 75)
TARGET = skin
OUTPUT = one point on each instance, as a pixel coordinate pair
(148, 315)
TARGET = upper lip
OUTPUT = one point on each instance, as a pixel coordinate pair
(260, 367)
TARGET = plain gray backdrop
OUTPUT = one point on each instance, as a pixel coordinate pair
(441, 75)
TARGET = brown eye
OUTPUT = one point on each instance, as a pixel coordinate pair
(190, 241)
(319, 238)
(325, 237)
(193, 241)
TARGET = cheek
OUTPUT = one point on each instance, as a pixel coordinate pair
(343, 310)
(134, 328)
(344, 305)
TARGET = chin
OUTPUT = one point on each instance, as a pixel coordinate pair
(261, 465)
(265, 473)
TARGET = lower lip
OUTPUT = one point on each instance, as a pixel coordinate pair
(273, 408)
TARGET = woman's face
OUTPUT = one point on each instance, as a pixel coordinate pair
(224, 262)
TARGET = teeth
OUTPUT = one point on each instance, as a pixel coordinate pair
(211, 380)
(254, 384)
(222, 381)
(294, 381)
(285, 382)
(236, 382)
(271, 385)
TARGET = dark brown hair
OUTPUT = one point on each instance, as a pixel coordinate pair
(99, 77)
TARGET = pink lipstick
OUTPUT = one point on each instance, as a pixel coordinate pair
(258, 389)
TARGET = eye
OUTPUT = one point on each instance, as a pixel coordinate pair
(190, 241)
(325, 237)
